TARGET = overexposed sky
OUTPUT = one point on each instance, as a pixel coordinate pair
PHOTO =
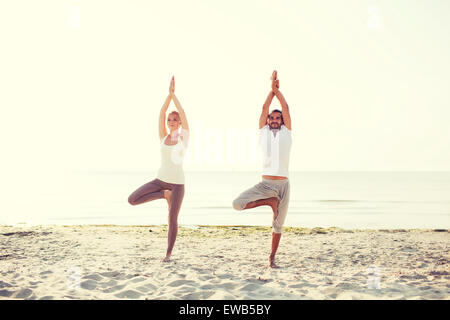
(82, 82)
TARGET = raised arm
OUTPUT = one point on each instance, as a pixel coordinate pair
(184, 122)
(265, 110)
(183, 118)
(162, 113)
(162, 118)
(284, 105)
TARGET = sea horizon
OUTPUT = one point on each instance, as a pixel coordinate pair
(343, 199)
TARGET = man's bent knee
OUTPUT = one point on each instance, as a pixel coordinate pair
(238, 205)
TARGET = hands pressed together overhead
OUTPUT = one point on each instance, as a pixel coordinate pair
(275, 82)
(284, 106)
(172, 86)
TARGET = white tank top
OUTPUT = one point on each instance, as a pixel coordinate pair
(275, 150)
(171, 169)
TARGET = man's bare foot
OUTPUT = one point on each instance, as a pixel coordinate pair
(167, 196)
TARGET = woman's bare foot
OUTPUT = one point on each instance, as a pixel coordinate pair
(167, 258)
(167, 196)
(272, 263)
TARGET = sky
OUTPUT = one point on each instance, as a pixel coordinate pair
(82, 82)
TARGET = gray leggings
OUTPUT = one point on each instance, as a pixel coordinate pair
(155, 190)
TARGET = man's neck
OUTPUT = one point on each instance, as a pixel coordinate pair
(274, 131)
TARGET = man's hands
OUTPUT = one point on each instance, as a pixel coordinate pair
(275, 82)
(284, 106)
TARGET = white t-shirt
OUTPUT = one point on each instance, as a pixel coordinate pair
(275, 147)
(171, 169)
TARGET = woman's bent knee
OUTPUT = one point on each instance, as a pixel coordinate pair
(131, 200)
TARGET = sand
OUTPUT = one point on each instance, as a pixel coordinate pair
(124, 262)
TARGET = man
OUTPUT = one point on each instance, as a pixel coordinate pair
(275, 142)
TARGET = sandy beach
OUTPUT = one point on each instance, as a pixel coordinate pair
(124, 262)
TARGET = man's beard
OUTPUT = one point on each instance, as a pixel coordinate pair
(274, 126)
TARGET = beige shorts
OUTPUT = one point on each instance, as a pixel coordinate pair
(267, 189)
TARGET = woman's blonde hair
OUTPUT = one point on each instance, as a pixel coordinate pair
(175, 112)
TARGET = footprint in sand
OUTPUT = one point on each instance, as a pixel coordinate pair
(425, 288)
(299, 285)
(227, 285)
(111, 274)
(89, 284)
(347, 286)
(138, 279)
(94, 276)
(24, 293)
(128, 294)
(198, 295)
(225, 276)
(45, 273)
(6, 293)
(115, 288)
(221, 295)
(178, 283)
(331, 292)
(147, 288)
(108, 284)
(251, 287)
(207, 287)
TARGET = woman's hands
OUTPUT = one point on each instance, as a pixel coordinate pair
(172, 87)
(184, 122)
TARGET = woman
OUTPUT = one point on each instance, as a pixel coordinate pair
(169, 182)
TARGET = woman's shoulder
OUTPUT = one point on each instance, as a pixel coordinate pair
(184, 132)
(184, 136)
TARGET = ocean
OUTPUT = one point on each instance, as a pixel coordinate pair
(363, 200)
